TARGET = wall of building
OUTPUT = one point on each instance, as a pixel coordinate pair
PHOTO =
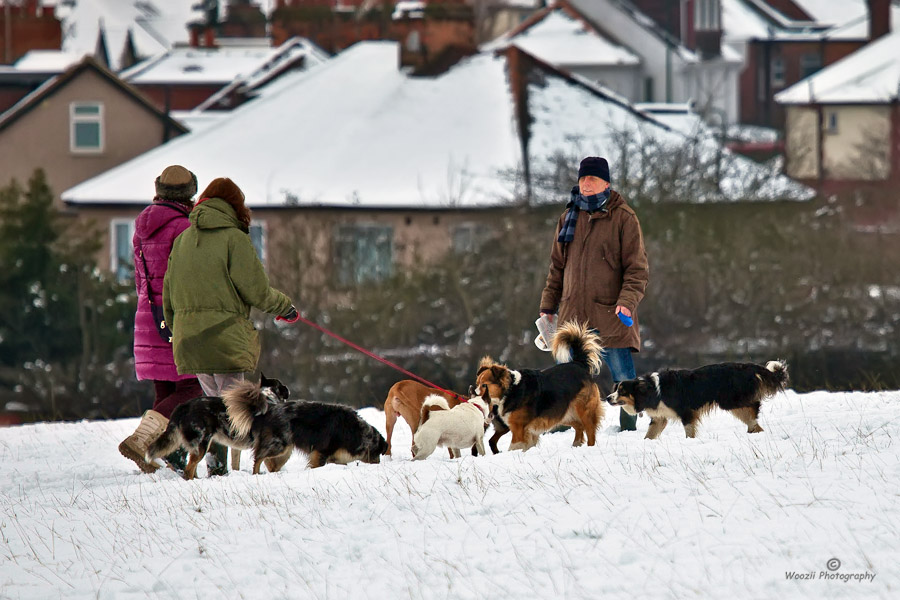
(627, 81)
(802, 143)
(28, 29)
(40, 138)
(178, 97)
(859, 148)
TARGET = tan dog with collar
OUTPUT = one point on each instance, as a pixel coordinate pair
(405, 399)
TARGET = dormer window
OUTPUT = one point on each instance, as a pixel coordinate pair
(707, 15)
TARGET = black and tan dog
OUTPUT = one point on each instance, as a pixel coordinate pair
(197, 423)
(324, 432)
(529, 402)
(688, 394)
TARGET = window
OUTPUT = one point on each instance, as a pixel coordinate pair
(258, 238)
(809, 64)
(86, 127)
(706, 15)
(468, 237)
(363, 253)
(777, 71)
(831, 122)
(648, 89)
(121, 251)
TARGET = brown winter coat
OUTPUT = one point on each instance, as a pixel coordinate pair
(605, 265)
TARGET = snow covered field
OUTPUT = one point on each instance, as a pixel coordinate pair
(727, 515)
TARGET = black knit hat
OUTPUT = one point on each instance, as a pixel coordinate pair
(596, 166)
(176, 184)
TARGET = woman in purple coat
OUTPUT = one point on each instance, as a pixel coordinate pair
(155, 230)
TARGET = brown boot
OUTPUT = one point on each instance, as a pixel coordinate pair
(135, 445)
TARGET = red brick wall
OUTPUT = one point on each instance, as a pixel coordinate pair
(181, 97)
(28, 32)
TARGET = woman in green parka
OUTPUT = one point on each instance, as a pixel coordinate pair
(213, 280)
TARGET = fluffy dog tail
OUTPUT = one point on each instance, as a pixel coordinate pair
(432, 403)
(575, 342)
(244, 402)
(776, 378)
(166, 444)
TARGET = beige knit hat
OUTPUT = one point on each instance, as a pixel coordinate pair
(176, 183)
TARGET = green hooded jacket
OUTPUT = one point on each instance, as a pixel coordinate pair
(214, 278)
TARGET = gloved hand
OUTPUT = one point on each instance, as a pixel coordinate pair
(291, 316)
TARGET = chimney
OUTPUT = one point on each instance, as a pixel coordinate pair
(708, 27)
(879, 18)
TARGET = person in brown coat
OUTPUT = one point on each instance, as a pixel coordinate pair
(599, 270)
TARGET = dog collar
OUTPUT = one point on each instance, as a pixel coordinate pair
(485, 412)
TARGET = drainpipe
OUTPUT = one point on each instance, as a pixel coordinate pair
(7, 35)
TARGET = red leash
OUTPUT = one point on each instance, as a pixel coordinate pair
(370, 354)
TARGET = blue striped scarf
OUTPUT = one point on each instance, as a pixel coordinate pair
(578, 202)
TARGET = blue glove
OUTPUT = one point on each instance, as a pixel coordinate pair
(625, 319)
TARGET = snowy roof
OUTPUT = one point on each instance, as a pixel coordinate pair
(286, 58)
(409, 140)
(47, 61)
(679, 117)
(202, 65)
(830, 19)
(563, 40)
(358, 132)
(155, 25)
(869, 75)
(598, 13)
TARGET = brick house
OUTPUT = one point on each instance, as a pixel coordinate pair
(842, 124)
(785, 41)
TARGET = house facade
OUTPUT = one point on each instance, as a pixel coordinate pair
(842, 125)
(80, 123)
(667, 68)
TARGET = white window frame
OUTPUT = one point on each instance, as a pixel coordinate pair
(113, 255)
(706, 15)
(75, 119)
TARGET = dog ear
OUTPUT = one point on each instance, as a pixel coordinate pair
(485, 362)
(497, 371)
(262, 379)
(471, 391)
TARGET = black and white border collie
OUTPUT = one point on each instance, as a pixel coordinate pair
(688, 394)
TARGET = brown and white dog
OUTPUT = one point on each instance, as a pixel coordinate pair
(405, 399)
(457, 427)
(530, 402)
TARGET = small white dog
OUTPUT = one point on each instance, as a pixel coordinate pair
(457, 427)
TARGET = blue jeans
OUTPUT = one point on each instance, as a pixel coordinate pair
(620, 364)
(621, 367)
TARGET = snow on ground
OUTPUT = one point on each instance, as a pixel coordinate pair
(726, 515)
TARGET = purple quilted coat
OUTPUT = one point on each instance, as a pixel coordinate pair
(154, 230)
